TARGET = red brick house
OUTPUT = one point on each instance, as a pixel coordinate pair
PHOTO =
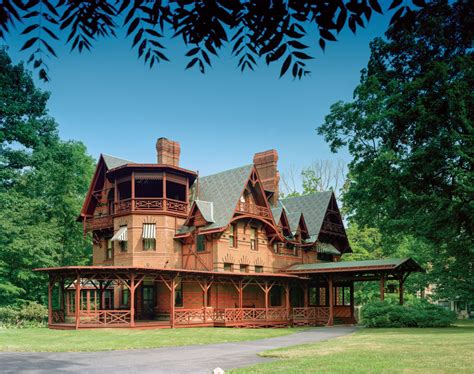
(172, 249)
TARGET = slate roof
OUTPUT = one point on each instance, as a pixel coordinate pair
(113, 162)
(223, 190)
(313, 207)
(293, 221)
(345, 266)
(207, 209)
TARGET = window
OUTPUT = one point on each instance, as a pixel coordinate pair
(149, 244)
(244, 268)
(125, 296)
(108, 299)
(124, 246)
(258, 269)
(149, 237)
(342, 296)
(201, 243)
(233, 235)
(318, 296)
(109, 251)
(253, 239)
(228, 267)
(275, 296)
(178, 295)
(275, 248)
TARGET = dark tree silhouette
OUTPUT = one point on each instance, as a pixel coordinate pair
(272, 30)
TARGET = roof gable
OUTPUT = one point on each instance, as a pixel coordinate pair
(313, 207)
(223, 190)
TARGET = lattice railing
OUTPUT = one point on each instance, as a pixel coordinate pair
(151, 204)
(254, 209)
(57, 316)
(105, 317)
(311, 315)
(101, 222)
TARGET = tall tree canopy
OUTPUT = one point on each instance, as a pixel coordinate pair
(410, 132)
(43, 182)
(269, 29)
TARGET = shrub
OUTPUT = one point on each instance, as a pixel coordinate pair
(29, 315)
(420, 313)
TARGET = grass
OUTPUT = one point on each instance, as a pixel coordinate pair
(46, 340)
(430, 350)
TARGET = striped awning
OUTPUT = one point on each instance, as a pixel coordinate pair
(120, 235)
(149, 231)
(327, 248)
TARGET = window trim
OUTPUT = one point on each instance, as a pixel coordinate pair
(200, 240)
(230, 265)
(153, 247)
(254, 239)
(233, 235)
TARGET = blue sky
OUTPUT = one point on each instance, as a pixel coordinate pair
(114, 104)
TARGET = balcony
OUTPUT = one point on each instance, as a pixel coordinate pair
(256, 210)
(333, 227)
(151, 205)
(99, 222)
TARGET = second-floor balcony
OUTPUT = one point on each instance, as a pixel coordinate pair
(99, 222)
(254, 209)
(151, 205)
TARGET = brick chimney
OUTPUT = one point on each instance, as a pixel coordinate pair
(168, 152)
(266, 164)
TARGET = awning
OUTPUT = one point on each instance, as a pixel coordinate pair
(149, 231)
(327, 248)
(120, 235)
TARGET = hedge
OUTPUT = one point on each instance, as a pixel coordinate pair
(28, 315)
(418, 314)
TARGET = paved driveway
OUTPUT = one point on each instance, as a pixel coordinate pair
(187, 359)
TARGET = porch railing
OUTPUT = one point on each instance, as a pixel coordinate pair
(151, 204)
(311, 315)
(105, 317)
(97, 223)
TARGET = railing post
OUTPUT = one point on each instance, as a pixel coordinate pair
(172, 300)
(287, 301)
(50, 300)
(132, 182)
(331, 301)
(400, 290)
(78, 300)
(382, 287)
(132, 300)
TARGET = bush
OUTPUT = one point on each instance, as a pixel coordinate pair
(29, 315)
(420, 313)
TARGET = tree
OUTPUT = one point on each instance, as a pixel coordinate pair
(44, 181)
(321, 175)
(410, 132)
(270, 29)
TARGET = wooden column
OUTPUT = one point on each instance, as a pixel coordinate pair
(78, 300)
(63, 297)
(241, 294)
(115, 195)
(50, 300)
(164, 192)
(400, 290)
(287, 300)
(351, 291)
(306, 295)
(132, 187)
(132, 300)
(172, 300)
(101, 295)
(382, 287)
(331, 301)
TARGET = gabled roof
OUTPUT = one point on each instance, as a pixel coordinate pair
(223, 190)
(112, 162)
(293, 221)
(313, 207)
(206, 208)
(351, 266)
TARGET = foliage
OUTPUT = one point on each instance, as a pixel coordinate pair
(418, 314)
(43, 183)
(29, 315)
(410, 132)
(271, 30)
(383, 350)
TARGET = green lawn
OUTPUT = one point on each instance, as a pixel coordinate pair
(434, 350)
(46, 340)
